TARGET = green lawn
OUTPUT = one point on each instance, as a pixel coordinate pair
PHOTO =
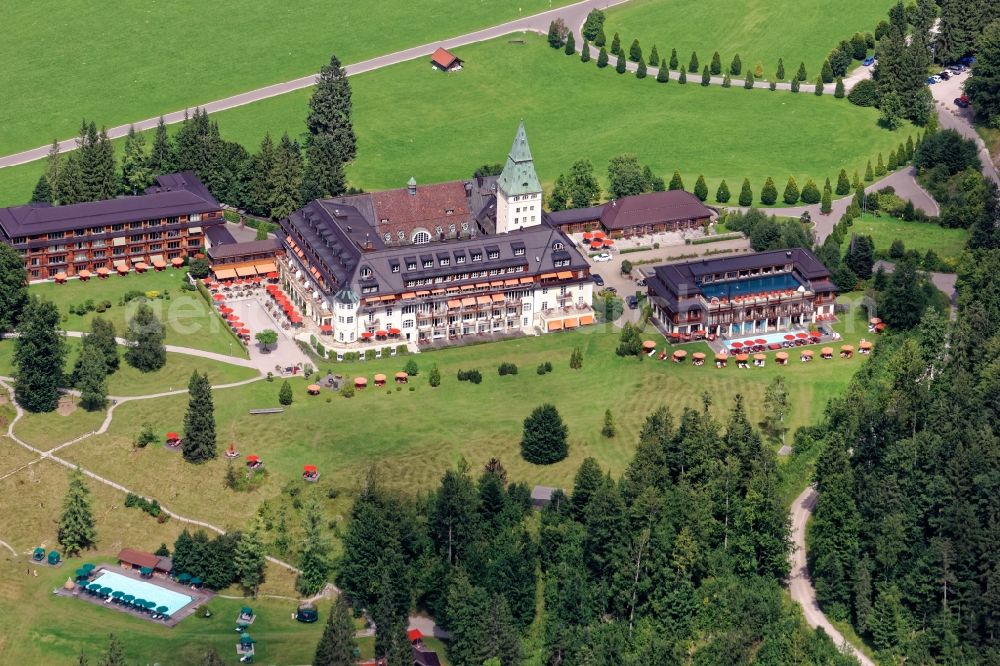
(44, 431)
(189, 320)
(415, 435)
(758, 30)
(411, 120)
(948, 243)
(126, 61)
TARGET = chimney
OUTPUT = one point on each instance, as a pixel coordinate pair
(368, 242)
(411, 185)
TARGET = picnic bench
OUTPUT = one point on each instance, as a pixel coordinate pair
(269, 410)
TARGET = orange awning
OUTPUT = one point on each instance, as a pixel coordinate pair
(468, 301)
(423, 292)
(437, 291)
(586, 319)
(498, 298)
(224, 273)
(408, 294)
(548, 276)
(483, 300)
(527, 280)
(468, 287)
(454, 303)
(246, 271)
(496, 283)
(482, 285)
(264, 269)
(565, 275)
(510, 283)
(555, 325)
(572, 322)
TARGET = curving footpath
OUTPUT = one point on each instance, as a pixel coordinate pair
(574, 15)
(800, 584)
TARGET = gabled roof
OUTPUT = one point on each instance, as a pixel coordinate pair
(653, 208)
(138, 558)
(518, 175)
(444, 58)
(268, 245)
(424, 206)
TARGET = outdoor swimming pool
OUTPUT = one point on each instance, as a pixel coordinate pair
(756, 285)
(141, 589)
(770, 337)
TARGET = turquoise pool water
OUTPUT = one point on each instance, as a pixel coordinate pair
(769, 337)
(750, 286)
(144, 590)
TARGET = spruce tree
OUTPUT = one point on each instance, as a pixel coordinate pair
(693, 64)
(136, 176)
(909, 148)
(543, 441)
(801, 75)
(601, 39)
(330, 111)
(879, 167)
(635, 51)
(838, 90)
(39, 352)
(727, 82)
(434, 377)
(43, 191)
(115, 656)
(746, 194)
(585, 52)
(722, 194)
(682, 77)
(146, 351)
(76, 526)
(869, 174)
(576, 359)
(826, 73)
(53, 169)
(323, 174)
(901, 158)
(855, 182)
(70, 189)
(662, 75)
(640, 70)
(674, 62)
(795, 85)
(780, 74)
(768, 193)
(826, 203)
(285, 394)
(620, 63)
(706, 78)
(748, 82)
(818, 90)
(843, 184)
(284, 181)
(314, 560)
(676, 183)
(13, 289)
(654, 57)
(810, 192)
(891, 165)
(199, 421)
(248, 559)
(92, 379)
(716, 66)
(602, 58)
(337, 645)
(701, 188)
(736, 66)
(161, 155)
(616, 45)
(791, 194)
(570, 47)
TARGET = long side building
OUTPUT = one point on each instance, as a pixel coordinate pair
(743, 295)
(165, 223)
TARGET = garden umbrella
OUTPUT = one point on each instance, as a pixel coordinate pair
(82, 573)
(106, 591)
(117, 594)
(218, 298)
(196, 581)
(146, 571)
(94, 587)
(162, 609)
(150, 605)
(88, 566)
(183, 578)
(128, 598)
(139, 603)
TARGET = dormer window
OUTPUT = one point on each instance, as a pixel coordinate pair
(557, 245)
(411, 265)
(460, 259)
(445, 261)
(394, 268)
(366, 272)
(494, 254)
(477, 256)
(518, 251)
(449, 211)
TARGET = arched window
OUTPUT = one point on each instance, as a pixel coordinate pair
(557, 245)
(421, 237)
(366, 272)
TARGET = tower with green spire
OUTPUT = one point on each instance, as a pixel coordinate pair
(519, 195)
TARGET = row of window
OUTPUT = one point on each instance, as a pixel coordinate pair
(93, 231)
(493, 272)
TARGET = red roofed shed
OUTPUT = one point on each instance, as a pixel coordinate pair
(445, 60)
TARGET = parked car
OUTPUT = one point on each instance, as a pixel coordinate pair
(603, 256)
(962, 102)
(598, 280)
(632, 302)
(869, 61)
(931, 80)
(944, 75)
(967, 60)
(956, 69)
(641, 282)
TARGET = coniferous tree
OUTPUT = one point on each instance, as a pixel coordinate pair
(323, 174)
(146, 351)
(39, 352)
(616, 45)
(810, 192)
(801, 74)
(795, 85)
(585, 51)
(826, 72)
(620, 63)
(136, 175)
(654, 57)
(662, 74)
(570, 47)
(53, 169)
(248, 559)
(869, 174)
(284, 182)
(791, 195)
(727, 82)
(701, 188)
(843, 184)
(337, 645)
(161, 155)
(199, 443)
(748, 82)
(115, 656)
(722, 194)
(716, 65)
(314, 560)
(892, 165)
(43, 191)
(601, 38)
(768, 193)
(70, 181)
(818, 89)
(330, 109)
(779, 75)
(693, 64)
(92, 379)
(736, 66)
(879, 166)
(682, 77)
(674, 62)
(838, 90)
(13, 289)
(559, 198)
(676, 183)
(544, 439)
(635, 51)
(826, 203)
(76, 526)
(706, 78)
(576, 358)
(746, 194)
(434, 377)
(640, 70)
(602, 58)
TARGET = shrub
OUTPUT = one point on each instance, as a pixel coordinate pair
(716, 66)
(864, 93)
(434, 378)
(780, 73)
(620, 63)
(198, 268)
(795, 85)
(602, 58)
(570, 48)
(592, 26)
(768, 193)
(347, 390)
(411, 368)
(748, 82)
(635, 51)
(810, 192)
(701, 188)
(662, 75)
(826, 73)
(693, 65)
(473, 376)
(682, 77)
(576, 358)
(507, 368)
(626, 267)
(736, 66)
(146, 436)
(151, 507)
(706, 78)
(843, 185)
(369, 354)
(285, 396)
(819, 87)
(727, 81)
(544, 438)
(746, 194)
(640, 70)
(791, 194)
(540, 369)
(838, 90)
(722, 194)
(585, 51)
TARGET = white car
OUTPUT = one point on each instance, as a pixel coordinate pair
(603, 256)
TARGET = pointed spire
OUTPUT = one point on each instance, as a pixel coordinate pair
(518, 176)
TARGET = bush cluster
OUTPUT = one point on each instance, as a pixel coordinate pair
(473, 376)
(152, 507)
(506, 368)
(544, 368)
(89, 306)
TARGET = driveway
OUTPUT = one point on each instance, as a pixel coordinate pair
(960, 120)
(255, 317)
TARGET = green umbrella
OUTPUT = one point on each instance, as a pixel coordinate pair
(245, 639)
(145, 571)
(117, 594)
(94, 587)
(162, 609)
(183, 578)
(106, 591)
(82, 572)
(150, 605)
(196, 581)
(88, 566)
(128, 598)
(139, 603)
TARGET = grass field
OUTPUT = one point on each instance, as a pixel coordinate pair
(758, 30)
(920, 236)
(411, 120)
(73, 62)
(189, 320)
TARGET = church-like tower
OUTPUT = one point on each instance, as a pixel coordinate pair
(519, 195)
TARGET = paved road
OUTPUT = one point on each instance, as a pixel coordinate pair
(960, 120)
(800, 584)
(574, 16)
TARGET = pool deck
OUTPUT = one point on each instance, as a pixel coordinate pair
(198, 596)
